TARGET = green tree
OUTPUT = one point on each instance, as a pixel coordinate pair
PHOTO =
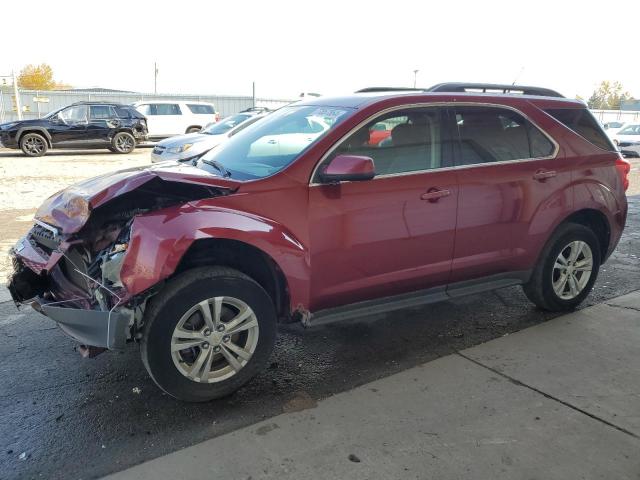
(608, 96)
(39, 77)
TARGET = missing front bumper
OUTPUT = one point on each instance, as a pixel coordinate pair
(92, 327)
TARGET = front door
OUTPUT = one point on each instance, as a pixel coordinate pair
(69, 127)
(392, 234)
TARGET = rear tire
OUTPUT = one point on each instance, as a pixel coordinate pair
(123, 142)
(220, 353)
(566, 270)
(33, 145)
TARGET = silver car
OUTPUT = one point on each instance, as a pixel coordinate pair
(186, 147)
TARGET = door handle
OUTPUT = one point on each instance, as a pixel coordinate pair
(272, 142)
(434, 194)
(542, 175)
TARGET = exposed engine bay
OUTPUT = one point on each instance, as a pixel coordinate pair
(61, 274)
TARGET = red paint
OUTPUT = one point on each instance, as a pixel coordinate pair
(338, 244)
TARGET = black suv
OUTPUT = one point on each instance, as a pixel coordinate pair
(114, 126)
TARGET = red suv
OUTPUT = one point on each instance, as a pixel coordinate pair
(301, 218)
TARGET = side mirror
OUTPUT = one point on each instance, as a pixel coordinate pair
(348, 168)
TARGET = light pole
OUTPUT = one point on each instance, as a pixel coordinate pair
(415, 77)
(155, 78)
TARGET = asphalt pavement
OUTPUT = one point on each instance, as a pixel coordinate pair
(556, 401)
(66, 417)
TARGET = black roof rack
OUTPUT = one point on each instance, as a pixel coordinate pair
(389, 89)
(493, 88)
(471, 87)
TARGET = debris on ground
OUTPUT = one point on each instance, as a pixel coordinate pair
(136, 390)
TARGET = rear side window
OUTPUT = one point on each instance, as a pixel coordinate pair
(581, 121)
(165, 109)
(123, 112)
(491, 134)
(201, 109)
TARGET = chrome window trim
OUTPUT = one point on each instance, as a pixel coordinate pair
(454, 167)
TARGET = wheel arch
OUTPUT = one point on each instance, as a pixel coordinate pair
(597, 222)
(32, 129)
(245, 258)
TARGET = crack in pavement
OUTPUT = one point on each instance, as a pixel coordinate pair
(622, 306)
(549, 396)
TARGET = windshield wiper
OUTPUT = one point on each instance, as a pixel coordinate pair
(218, 166)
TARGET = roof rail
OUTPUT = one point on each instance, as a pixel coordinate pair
(389, 89)
(494, 88)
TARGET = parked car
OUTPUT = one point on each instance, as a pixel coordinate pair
(80, 125)
(612, 128)
(628, 137)
(167, 118)
(199, 263)
(186, 147)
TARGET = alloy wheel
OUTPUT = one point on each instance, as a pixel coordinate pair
(124, 143)
(34, 145)
(214, 339)
(572, 270)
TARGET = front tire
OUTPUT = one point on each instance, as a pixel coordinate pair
(567, 269)
(33, 145)
(207, 333)
(193, 129)
(123, 142)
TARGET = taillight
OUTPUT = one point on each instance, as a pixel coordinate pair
(624, 167)
(217, 117)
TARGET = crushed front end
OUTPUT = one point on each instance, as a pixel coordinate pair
(68, 265)
(76, 283)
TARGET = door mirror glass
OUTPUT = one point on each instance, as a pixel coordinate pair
(348, 168)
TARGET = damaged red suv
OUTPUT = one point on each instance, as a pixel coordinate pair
(301, 218)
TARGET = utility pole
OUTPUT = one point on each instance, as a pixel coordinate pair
(253, 94)
(17, 95)
(155, 78)
(415, 77)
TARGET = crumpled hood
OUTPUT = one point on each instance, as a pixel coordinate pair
(70, 208)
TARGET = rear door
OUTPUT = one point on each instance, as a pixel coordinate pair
(508, 173)
(103, 122)
(163, 119)
(395, 233)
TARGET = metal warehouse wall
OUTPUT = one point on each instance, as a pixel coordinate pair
(225, 105)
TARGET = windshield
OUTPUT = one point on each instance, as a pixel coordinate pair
(226, 124)
(630, 130)
(274, 142)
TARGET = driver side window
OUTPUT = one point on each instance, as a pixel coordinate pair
(75, 114)
(402, 141)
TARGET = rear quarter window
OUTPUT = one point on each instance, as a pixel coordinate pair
(201, 109)
(582, 122)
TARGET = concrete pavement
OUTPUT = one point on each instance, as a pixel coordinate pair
(559, 400)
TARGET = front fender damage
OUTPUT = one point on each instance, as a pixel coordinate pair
(70, 269)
